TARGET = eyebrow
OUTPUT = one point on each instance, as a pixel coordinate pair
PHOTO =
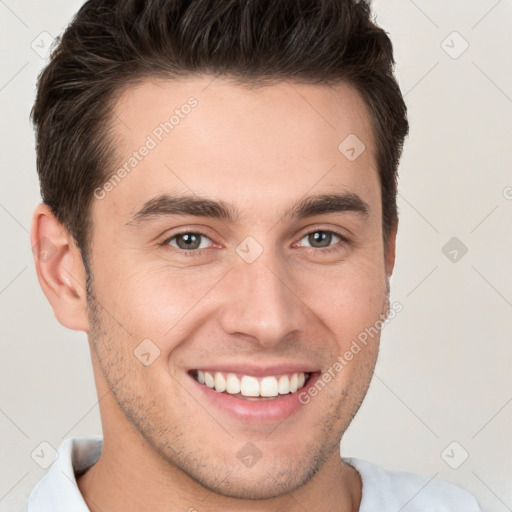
(166, 205)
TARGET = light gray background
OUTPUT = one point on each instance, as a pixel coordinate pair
(443, 373)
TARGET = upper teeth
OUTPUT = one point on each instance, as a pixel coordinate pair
(252, 386)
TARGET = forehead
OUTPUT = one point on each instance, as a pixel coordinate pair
(211, 137)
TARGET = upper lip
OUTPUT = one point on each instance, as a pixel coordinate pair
(257, 370)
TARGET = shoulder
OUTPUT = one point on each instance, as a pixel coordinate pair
(58, 491)
(386, 490)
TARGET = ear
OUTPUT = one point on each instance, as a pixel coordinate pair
(389, 264)
(60, 270)
(390, 250)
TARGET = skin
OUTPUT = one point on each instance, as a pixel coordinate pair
(165, 447)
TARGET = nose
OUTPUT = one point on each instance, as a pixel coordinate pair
(262, 302)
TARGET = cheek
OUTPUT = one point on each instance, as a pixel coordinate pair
(347, 299)
(156, 302)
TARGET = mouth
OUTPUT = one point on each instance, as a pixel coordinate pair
(250, 387)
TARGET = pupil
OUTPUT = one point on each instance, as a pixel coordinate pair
(322, 237)
(191, 241)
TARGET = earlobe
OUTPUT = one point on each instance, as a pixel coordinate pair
(60, 270)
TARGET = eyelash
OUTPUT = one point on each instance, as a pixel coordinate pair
(197, 252)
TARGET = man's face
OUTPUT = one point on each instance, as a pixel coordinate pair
(273, 291)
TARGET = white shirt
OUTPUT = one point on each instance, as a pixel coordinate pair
(383, 490)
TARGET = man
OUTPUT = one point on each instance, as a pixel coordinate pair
(219, 204)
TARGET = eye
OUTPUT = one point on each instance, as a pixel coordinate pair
(320, 239)
(193, 241)
(187, 241)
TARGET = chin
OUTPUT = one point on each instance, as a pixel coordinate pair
(256, 485)
(266, 479)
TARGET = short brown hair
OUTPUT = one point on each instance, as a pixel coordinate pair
(110, 44)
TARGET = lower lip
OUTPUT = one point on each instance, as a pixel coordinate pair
(257, 411)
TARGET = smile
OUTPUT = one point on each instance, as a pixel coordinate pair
(248, 386)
